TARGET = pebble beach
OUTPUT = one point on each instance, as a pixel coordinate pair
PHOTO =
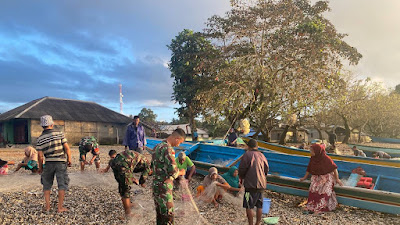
(93, 199)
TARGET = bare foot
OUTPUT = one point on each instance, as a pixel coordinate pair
(60, 210)
(46, 210)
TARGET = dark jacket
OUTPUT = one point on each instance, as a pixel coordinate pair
(134, 137)
(253, 169)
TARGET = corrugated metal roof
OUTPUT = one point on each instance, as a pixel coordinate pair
(65, 109)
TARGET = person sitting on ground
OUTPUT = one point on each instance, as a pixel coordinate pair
(232, 138)
(381, 155)
(232, 177)
(214, 193)
(124, 165)
(89, 144)
(358, 152)
(112, 153)
(30, 161)
(183, 162)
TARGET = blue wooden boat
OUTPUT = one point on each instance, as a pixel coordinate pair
(370, 150)
(285, 171)
(348, 158)
(385, 140)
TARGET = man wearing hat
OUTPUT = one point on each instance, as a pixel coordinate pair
(53, 146)
(135, 136)
(183, 162)
(253, 171)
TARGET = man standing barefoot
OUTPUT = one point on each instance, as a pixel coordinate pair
(53, 146)
(253, 170)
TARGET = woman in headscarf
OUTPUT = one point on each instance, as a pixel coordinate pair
(209, 191)
(30, 161)
(324, 175)
(232, 177)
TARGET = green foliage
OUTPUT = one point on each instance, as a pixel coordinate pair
(147, 115)
(190, 52)
(277, 58)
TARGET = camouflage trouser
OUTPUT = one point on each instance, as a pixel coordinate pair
(124, 181)
(164, 202)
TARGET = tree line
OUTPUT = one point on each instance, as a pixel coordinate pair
(272, 61)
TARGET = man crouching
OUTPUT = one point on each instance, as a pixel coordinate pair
(124, 165)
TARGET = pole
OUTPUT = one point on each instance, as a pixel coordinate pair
(120, 99)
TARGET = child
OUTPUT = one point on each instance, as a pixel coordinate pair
(30, 161)
(112, 153)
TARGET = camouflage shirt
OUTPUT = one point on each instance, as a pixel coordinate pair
(126, 162)
(89, 141)
(163, 164)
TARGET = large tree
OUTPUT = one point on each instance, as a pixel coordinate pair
(277, 57)
(190, 51)
(147, 115)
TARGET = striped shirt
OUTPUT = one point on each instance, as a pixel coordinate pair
(50, 142)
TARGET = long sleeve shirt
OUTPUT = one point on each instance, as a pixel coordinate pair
(253, 169)
(134, 136)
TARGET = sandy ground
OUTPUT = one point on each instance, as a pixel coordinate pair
(93, 199)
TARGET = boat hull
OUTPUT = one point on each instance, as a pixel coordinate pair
(385, 140)
(285, 171)
(301, 152)
(369, 150)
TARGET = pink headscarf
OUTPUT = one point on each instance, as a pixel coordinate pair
(30, 154)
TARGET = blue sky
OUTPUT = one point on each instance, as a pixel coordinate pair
(84, 49)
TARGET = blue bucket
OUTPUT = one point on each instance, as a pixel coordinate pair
(266, 205)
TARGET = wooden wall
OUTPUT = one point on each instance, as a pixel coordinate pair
(106, 133)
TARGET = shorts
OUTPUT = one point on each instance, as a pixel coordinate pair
(251, 199)
(59, 169)
(31, 165)
(124, 188)
(97, 159)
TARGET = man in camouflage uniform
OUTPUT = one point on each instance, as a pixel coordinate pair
(89, 144)
(124, 165)
(165, 171)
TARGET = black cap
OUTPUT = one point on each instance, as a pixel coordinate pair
(252, 143)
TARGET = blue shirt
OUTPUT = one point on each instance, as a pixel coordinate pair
(134, 137)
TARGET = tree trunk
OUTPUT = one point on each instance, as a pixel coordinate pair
(192, 122)
(282, 138)
(295, 135)
(265, 135)
(347, 130)
(319, 133)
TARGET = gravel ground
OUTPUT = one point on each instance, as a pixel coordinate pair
(93, 199)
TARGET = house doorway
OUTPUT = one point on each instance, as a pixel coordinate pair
(21, 132)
